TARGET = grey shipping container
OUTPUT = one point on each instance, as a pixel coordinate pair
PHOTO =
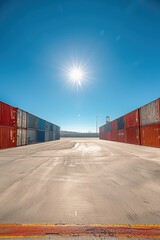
(31, 136)
(120, 123)
(24, 119)
(51, 136)
(150, 113)
(54, 136)
(31, 121)
(19, 118)
(19, 137)
(24, 137)
(46, 136)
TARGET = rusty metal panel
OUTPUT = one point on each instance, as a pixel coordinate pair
(150, 135)
(108, 136)
(132, 135)
(114, 136)
(19, 121)
(132, 119)
(150, 113)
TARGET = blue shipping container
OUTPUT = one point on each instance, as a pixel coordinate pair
(40, 124)
(107, 127)
(51, 136)
(31, 136)
(47, 126)
(120, 123)
(47, 136)
(51, 126)
(31, 121)
(40, 136)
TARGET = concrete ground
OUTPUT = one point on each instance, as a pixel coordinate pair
(80, 181)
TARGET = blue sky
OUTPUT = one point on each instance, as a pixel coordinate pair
(118, 41)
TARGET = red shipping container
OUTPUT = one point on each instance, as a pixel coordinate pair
(8, 137)
(150, 135)
(114, 136)
(121, 135)
(132, 119)
(132, 135)
(8, 115)
(114, 126)
(108, 136)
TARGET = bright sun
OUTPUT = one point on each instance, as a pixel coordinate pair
(76, 74)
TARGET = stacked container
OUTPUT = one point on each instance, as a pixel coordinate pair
(141, 126)
(132, 129)
(150, 124)
(8, 123)
(31, 129)
(21, 127)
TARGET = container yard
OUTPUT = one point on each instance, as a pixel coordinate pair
(140, 127)
(19, 128)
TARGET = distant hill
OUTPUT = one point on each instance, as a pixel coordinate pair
(77, 134)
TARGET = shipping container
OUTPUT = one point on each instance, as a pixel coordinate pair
(107, 127)
(31, 121)
(108, 136)
(24, 119)
(51, 136)
(41, 124)
(46, 136)
(31, 136)
(47, 126)
(19, 137)
(40, 136)
(121, 135)
(150, 113)
(120, 123)
(19, 124)
(150, 135)
(132, 119)
(114, 136)
(54, 136)
(24, 137)
(8, 115)
(21, 118)
(51, 127)
(114, 126)
(132, 135)
(57, 136)
(8, 137)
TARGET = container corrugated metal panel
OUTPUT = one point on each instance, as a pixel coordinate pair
(132, 119)
(19, 123)
(31, 121)
(121, 135)
(108, 136)
(24, 137)
(8, 115)
(114, 126)
(40, 136)
(24, 119)
(114, 136)
(8, 137)
(150, 113)
(120, 123)
(54, 128)
(19, 137)
(41, 124)
(46, 136)
(107, 127)
(150, 135)
(51, 127)
(31, 136)
(47, 126)
(51, 136)
(132, 135)
(54, 136)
